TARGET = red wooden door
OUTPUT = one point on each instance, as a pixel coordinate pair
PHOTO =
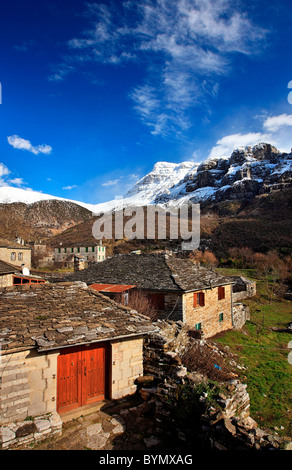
(93, 359)
(81, 376)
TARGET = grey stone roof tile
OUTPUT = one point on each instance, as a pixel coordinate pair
(158, 272)
(49, 316)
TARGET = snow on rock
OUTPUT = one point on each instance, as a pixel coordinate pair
(249, 171)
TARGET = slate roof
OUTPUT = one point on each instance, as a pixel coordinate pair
(6, 268)
(158, 272)
(9, 244)
(52, 316)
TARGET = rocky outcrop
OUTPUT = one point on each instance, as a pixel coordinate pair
(249, 171)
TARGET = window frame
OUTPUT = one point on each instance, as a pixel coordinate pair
(221, 293)
(199, 299)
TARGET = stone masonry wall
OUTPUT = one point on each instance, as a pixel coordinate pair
(28, 385)
(32, 430)
(5, 255)
(240, 315)
(6, 280)
(225, 425)
(127, 365)
(208, 315)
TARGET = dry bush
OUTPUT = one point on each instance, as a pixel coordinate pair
(242, 257)
(206, 361)
(140, 302)
(206, 258)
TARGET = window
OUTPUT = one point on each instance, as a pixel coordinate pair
(20, 256)
(198, 326)
(86, 249)
(199, 299)
(78, 250)
(220, 317)
(65, 250)
(13, 256)
(59, 250)
(92, 249)
(221, 293)
(72, 250)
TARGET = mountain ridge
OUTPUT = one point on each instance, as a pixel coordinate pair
(249, 171)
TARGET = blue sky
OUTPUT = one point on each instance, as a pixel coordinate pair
(95, 93)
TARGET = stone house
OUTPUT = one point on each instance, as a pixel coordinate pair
(64, 347)
(14, 253)
(11, 275)
(91, 253)
(243, 288)
(178, 288)
(6, 274)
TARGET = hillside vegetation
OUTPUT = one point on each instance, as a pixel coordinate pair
(262, 347)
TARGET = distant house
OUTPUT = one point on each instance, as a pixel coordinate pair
(15, 253)
(118, 292)
(178, 288)
(91, 253)
(11, 275)
(243, 288)
(6, 274)
(64, 347)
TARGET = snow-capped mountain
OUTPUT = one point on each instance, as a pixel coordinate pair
(10, 194)
(249, 171)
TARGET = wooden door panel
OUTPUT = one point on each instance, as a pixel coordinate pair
(81, 376)
(94, 374)
(68, 388)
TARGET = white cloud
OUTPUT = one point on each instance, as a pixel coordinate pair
(68, 188)
(226, 145)
(3, 170)
(193, 42)
(276, 131)
(22, 144)
(5, 181)
(17, 182)
(111, 182)
(274, 123)
(61, 72)
(134, 176)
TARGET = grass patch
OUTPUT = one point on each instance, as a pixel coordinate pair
(262, 348)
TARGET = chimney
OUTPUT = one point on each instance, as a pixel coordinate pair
(79, 264)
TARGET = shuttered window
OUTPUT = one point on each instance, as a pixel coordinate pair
(221, 293)
(199, 299)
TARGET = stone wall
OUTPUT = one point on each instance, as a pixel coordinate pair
(223, 424)
(5, 255)
(127, 365)
(28, 385)
(173, 306)
(208, 315)
(240, 315)
(34, 430)
(6, 280)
